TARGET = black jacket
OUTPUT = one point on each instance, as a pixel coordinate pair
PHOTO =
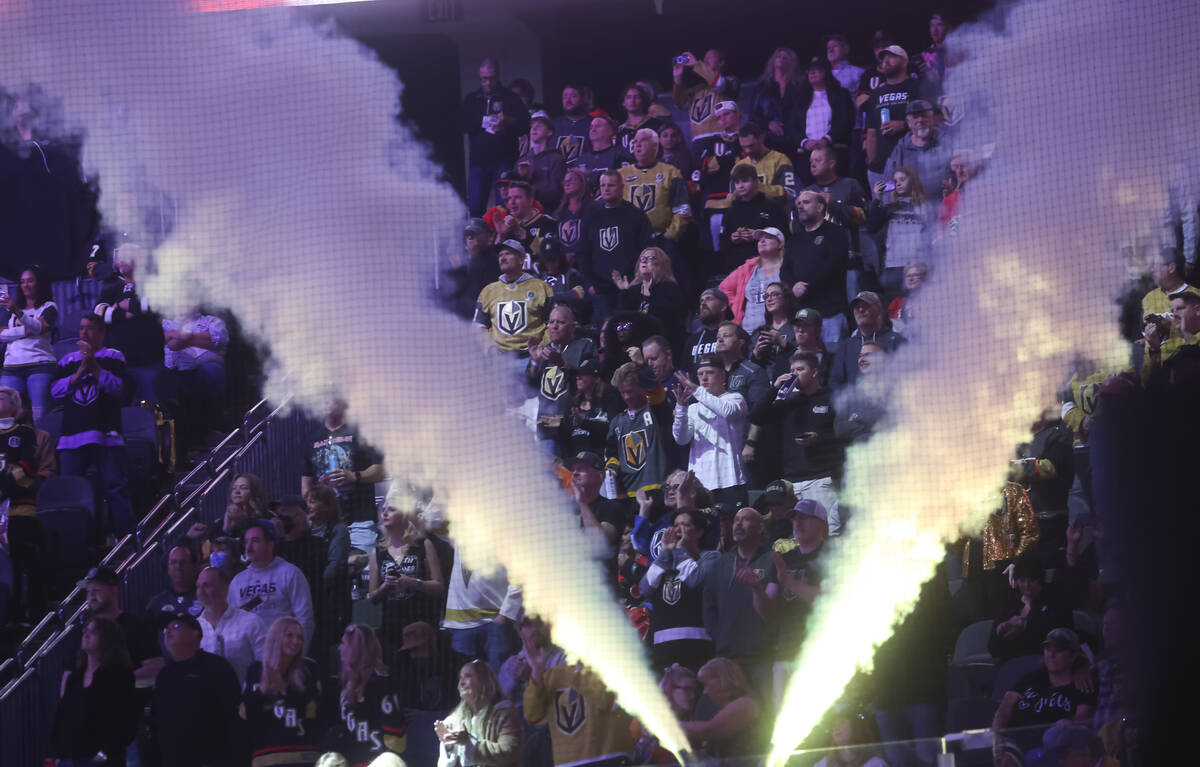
(819, 258)
(800, 413)
(845, 356)
(488, 148)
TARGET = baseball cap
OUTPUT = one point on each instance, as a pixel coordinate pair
(895, 50)
(808, 317)
(540, 115)
(777, 492)
(774, 232)
(513, 245)
(919, 105)
(476, 226)
(726, 106)
(709, 361)
(867, 297)
(716, 293)
(810, 508)
(586, 458)
(100, 574)
(185, 618)
(1062, 639)
(588, 368)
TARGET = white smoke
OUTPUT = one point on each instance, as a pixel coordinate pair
(308, 211)
(1090, 123)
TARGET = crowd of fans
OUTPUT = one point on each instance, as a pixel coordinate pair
(693, 295)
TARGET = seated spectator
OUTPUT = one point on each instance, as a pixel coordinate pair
(464, 281)
(902, 226)
(745, 213)
(1041, 610)
(97, 712)
(899, 311)
(46, 460)
(282, 699)
(195, 352)
(824, 116)
(103, 600)
(713, 420)
(1112, 665)
(673, 586)
(815, 264)
(405, 571)
(593, 404)
(29, 362)
(746, 285)
(370, 715)
(247, 502)
(872, 326)
(577, 194)
(541, 163)
(341, 459)
(549, 373)
(196, 700)
(1048, 694)
(637, 102)
(426, 667)
(235, 635)
(91, 383)
(851, 734)
(514, 308)
(613, 232)
(134, 329)
(181, 595)
(271, 587)
(485, 729)
(1073, 745)
(682, 690)
(19, 482)
(737, 729)
(480, 611)
(653, 290)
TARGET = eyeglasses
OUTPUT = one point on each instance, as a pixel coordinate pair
(647, 259)
(773, 294)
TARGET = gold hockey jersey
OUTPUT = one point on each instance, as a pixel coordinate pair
(661, 193)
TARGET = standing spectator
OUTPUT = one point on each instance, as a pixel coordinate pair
(613, 232)
(737, 728)
(851, 735)
(405, 571)
(715, 156)
(825, 115)
(247, 502)
(932, 64)
(1046, 467)
(602, 151)
(873, 327)
(713, 421)
(901, 220)
(673, 587)
(637, 436)
(103, 600)
(282, 700)
(480, 611)
(636, 102)
(658, 189)
(797, 562)
(845, 200)
(28, 357)
(134, 329)
(1048, 694)
(1166, 272)
(550, 373)
(1008, 533)
(747, 212)
(313, 537)
(485, 729)
(806, 330)
(19, 482)
(572, 126)
(524, 220)
(714, 308)
(963, 168)
(514, 308)
(97, 710)
(195, 352)
(370, 713)
(837, 53)
(235, 635)
(593, 404)
(196, 702)
(815, 264)
(91, 383)
(576, 195)
(339, 458)
(675, 151)
(181, 595)
(775, 338)
(921, 149)
(271, 587)
(492, 117)
(736, 600)
(653, 290)
(776, 179)
(809, 451)
(541, 163)
(899, 311)
(464, 281)
(1112, 666)
(746, 286)
(886, 109)
(776, 100)
(587, 477)
(698, 99)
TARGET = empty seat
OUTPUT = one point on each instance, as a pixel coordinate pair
(66, 513)
(971, 647)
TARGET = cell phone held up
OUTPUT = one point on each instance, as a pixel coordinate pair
(682, 60)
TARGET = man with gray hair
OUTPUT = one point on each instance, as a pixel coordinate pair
(658, 189)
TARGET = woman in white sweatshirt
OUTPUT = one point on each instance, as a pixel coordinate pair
(29, 361)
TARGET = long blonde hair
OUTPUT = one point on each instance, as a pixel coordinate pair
(365, 661)
(729, 674)
(795, 78)
(295, 676)
(490, 692)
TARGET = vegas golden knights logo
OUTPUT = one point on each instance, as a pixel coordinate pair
(568, 232)
(570, 710)
(702, 108)
(672, 590)
(635, 449)
(554, 382)
(511, 317)
(643, 196)
(610, 237)
(1089, 398)
(570, 147)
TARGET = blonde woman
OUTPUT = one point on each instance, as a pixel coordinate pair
(736, 728)
(405, 570)
(485, 729)
(653, 290)
(370, 720)
(281, 699)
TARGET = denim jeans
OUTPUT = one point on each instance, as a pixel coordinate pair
(34, 385)
(492, 641)
(480, 181)
(833, 329)
(110, 465)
